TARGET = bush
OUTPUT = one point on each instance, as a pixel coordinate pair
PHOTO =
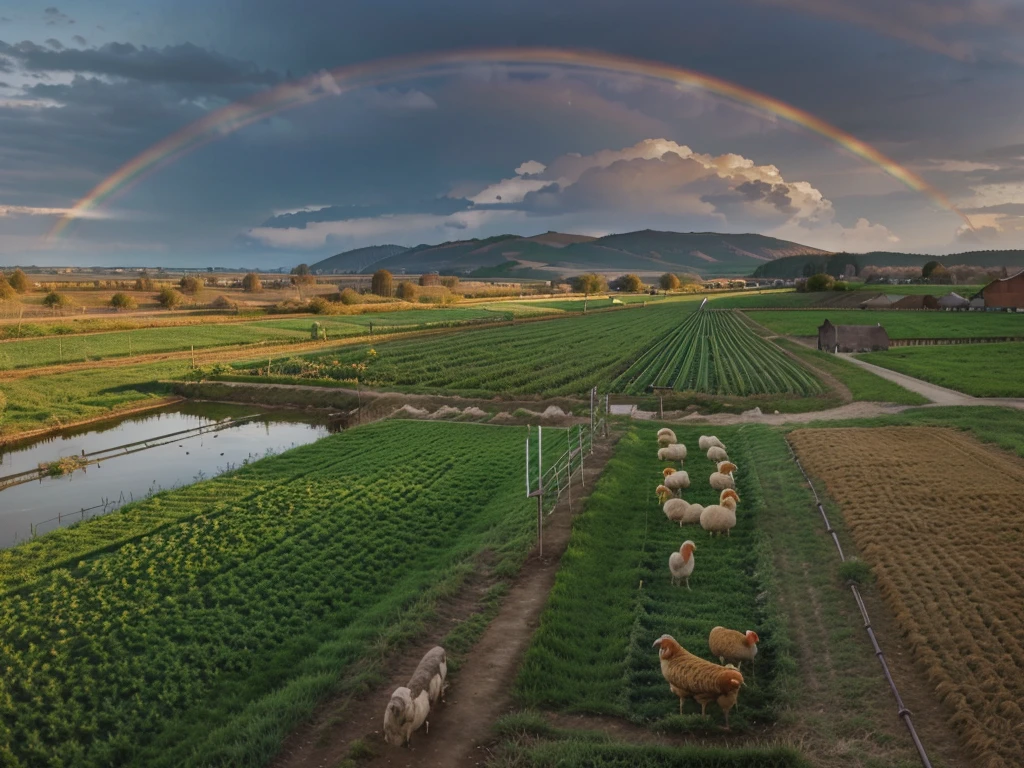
(302, 276)
(841, 285)
(222, 302)
(668, 282)
(18, 281)
(251, 283)
(820, 282)
(451, 282)
(348, 297)
(431, 278)
(168, 298)
(382, 283)
(144, 284)
(55, 300)
(7, 293)
(318, 305)
(589, 282)
(406, 291)
(123, 301)
(190, 285)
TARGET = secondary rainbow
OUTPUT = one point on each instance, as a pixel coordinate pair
(229, 119)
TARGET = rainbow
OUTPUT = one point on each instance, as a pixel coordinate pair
(233, 117)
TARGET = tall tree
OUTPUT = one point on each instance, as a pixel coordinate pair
(18, 281)
(590, 282)
(668, 282)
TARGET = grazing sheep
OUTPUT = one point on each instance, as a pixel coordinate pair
(726, 467)
(676, 480)
(674, 452)
(410, 705)
(663, 494)
(729, 493)
(675, 510)
(720, 481)
(666, 437)
(717, 454)
(719, 518)
(707, 441)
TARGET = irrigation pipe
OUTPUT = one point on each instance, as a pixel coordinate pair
(902, 710)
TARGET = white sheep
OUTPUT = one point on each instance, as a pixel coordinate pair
(674, 452)
(707, 441)
(717, 454)
(675, 510)
(726, 467)
(719, 518)
(722, 478)
(666, 437)
(409, 706)
(676, 480)
(680, 564)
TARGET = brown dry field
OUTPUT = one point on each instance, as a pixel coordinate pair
(937, 515)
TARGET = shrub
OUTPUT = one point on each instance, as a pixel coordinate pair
(820, 282)
(251, 283)
(451, 282)
(123, 301)
(382, 283)
(406, 291)
(144, 284)
(589, 282)
(302, 276)
(630, 283)
(318, 305)
(168, 298)
(7, 293)
(668, 282)
(222, 302)
(841, 285)
(431, 278)
(18, 281)
(348, 297)
(190, 285)
(55, 300)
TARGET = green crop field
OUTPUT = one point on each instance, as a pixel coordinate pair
(899, 324)
(613, 596)
(863, 384)
(716, 353)
(982, 370)
(221, 612)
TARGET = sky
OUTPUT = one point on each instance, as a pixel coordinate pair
(486, 147)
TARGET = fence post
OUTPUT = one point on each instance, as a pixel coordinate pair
(583, 483)
(568, 456)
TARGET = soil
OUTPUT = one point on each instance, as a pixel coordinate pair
(479, 693)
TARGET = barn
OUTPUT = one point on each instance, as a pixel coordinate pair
(1005, 293)
(953, 300)
(852, 338)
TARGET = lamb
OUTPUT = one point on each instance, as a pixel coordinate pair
(666, 437)
(681, 563)
(707, 441)
(730, 645)
(719, 518)
(721, 481)
(410, 705)
(676, 480)
(717, 454)
(674, 452)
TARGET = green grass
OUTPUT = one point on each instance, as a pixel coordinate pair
(238, 602)
(982, 370)
(613, 597)
(863, 385)
(899, 324)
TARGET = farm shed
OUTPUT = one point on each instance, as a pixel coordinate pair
(881, 301)
(1005, 292)
(918, 301)
(852, 338)
(953, 301)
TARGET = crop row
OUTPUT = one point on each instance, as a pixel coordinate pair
(111, 654)
(715, 352)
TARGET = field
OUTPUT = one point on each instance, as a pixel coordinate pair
(936, 516)
(716, 353)
(863, 384)
(248, 597)
(899, 324)
(982, 370)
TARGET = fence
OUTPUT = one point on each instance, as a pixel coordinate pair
(902, 710)
(942, 342)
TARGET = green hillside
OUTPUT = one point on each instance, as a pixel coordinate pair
(356, 260)
(802, 265)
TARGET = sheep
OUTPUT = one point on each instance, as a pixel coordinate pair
(707, 441)
(663, 494)
(720, 481)
(717, 454)
(674, 452)
(409, 706)
(676, 480)
(719, 518)
(726, 467)
(666, 437)
(675, 510)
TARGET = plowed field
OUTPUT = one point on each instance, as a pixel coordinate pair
(938, 516)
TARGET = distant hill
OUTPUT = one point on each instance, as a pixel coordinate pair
(355, 261)
(552, 253)
(802, 265)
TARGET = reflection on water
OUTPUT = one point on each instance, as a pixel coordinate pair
(43, 505)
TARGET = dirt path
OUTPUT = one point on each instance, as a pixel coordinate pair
(480, 691)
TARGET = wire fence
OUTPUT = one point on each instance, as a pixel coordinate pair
(902, 710)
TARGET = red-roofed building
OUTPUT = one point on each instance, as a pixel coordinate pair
(1007, 292)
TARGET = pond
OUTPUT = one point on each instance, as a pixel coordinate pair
(191, 442)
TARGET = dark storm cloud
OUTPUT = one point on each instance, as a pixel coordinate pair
(776, 195)
(55, 44)
(184, 63)
(6, 65)
(79, 40)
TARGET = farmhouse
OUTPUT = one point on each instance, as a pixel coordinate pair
(1007, 292)
(852, 338)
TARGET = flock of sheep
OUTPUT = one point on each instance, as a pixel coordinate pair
(690, 676)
